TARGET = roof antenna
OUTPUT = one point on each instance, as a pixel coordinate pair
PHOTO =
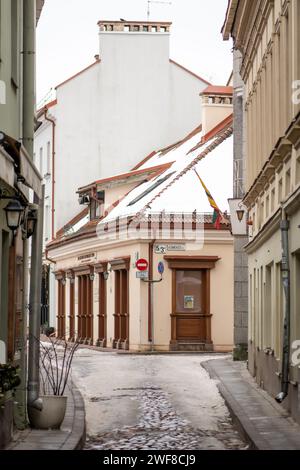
(153, 1)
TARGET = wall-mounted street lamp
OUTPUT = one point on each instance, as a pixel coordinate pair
(106, 273)
(92, 277)
(30, 220)
(238, 217)
(14, 211)
(19, 214)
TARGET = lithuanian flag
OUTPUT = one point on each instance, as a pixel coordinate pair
(217, 216)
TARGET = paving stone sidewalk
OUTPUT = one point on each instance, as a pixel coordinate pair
(265, 424)
(71, 436)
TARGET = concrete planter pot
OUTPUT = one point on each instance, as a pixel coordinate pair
(52, 414)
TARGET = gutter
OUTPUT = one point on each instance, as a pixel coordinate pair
(53, 171)
(29, 22)
(285, 273)
(33, 399)
(150, 294)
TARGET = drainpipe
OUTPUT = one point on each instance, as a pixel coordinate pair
(150, 297)
(29, 20)
(21, 398)
(33, 399)
(285, 270)
(53, 172)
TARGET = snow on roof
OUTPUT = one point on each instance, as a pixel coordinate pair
(177, 188)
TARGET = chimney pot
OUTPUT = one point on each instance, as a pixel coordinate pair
(216, 106)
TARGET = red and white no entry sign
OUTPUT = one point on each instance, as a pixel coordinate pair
(142, 264)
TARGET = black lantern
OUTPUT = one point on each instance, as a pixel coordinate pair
(31, 221)
(14, 211)
(240, 214)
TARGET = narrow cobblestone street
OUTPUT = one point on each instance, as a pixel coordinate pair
(157, 402)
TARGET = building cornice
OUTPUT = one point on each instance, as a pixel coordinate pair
(282, 150)
(269, 228)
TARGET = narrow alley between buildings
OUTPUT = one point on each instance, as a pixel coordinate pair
(152, 402)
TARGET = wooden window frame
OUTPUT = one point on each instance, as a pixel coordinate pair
(100, 269)
(205, 291)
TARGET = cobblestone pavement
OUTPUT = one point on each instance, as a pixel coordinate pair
(158, 419)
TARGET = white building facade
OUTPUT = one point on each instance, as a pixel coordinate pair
(133, 97)
(132, 100)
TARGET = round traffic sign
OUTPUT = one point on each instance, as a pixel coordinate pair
(161, 267)
(142, 264)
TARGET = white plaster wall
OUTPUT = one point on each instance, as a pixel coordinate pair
(116, 112)
(41, 139)
(77, 142)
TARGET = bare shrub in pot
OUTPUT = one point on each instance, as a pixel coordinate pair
(55, 363)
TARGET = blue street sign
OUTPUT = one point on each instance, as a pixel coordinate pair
(161, 267)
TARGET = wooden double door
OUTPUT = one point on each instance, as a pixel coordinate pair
(102, 315)
(121, 315)
(61, 309)
(85, 309)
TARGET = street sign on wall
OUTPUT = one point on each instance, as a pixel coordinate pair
(161, 268)
(142, 274)
(142, 264)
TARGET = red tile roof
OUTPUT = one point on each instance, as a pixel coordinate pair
(154, 171)
(45, 107)
(144, 161)
(73, 221)
(219, 128)
(170, 147)
(189, 71)
(78, 73)
(217, 90)
(99, 60)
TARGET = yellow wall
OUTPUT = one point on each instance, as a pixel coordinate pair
(221, 292)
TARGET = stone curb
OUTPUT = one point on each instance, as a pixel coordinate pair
(71, 436)
(76, 439)
(239, 418)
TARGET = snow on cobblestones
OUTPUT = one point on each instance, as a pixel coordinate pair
(153, 403)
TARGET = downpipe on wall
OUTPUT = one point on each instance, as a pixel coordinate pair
(34, 400)
(285, 275)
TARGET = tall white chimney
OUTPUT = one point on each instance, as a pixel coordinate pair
(134, 39)
(217, 105)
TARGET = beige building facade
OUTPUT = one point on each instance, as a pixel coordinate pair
(268, 35)
(157, 212)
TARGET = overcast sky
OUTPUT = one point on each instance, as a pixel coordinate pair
(67, 36)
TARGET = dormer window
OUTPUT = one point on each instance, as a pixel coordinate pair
(97, 205)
